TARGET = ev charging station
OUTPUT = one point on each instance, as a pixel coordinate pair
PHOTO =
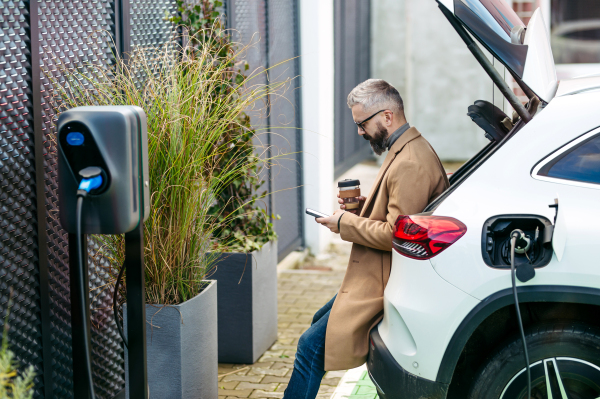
(104, 189)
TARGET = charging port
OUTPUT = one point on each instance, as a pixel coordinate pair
(495, 243)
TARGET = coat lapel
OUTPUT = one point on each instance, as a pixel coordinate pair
(409, 135)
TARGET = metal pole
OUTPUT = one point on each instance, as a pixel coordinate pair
(123, 28)
(40, 150)
(487, 66)
(270, 175)
(80, 377)
(136, 312)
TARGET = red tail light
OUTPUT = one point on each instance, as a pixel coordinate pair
(423, 237)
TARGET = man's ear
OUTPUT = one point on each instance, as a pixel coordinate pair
(388, 118)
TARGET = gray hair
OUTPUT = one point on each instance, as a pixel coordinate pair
(376, 94)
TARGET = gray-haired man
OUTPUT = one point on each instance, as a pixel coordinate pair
(410, 177)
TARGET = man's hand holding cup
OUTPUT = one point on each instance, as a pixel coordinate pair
(349, 196)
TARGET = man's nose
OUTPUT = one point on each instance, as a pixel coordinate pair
(360, 132)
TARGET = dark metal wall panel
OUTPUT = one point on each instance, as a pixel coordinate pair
(248, 19)
(352, 57)
(149, 26)
(19, 267)
(74, 34)
(285, 122)
(34, 249)
(272, 28)
(78, 34)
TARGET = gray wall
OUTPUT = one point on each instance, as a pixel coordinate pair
(272, 29)
(414, 48)
(352, 64)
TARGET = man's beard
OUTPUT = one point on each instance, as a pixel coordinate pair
(378, 140)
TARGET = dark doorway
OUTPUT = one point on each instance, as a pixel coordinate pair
(352, 48)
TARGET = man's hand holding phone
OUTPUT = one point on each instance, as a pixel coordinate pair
(331, 222)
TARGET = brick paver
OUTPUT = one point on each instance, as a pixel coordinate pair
(300, 293)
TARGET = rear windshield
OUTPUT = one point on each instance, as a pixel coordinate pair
(491, 22)
(497, 15)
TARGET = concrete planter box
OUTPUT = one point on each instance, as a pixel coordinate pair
(247, 304)
(181, 342)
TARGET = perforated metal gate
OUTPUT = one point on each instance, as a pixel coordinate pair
(352, 56)
(272, 26)
(37, 38)
(41, 37)
(72, 34)
(19, 269)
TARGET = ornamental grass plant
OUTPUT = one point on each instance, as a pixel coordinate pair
(194, 106)
(243, 223)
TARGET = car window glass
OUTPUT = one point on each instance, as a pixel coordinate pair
(497, 14)
(581, 163)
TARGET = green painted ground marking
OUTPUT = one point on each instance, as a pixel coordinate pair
(355, 384)
(364, 388)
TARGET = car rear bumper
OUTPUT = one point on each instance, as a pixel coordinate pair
(392, 381)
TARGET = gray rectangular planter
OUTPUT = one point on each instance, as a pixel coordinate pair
(181, 342)
(247, 304)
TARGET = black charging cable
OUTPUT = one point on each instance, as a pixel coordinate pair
(91, 180)
(82, 295)
(514, 236)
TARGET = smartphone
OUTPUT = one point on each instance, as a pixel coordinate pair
(316, 214)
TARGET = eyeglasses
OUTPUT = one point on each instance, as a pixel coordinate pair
(361, 124)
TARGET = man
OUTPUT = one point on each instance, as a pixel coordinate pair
(411, 176)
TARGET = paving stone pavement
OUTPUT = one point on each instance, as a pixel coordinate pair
(301, 293)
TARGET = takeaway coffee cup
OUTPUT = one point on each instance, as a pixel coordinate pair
(349, 193)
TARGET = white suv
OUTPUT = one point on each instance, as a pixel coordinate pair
(451, 327)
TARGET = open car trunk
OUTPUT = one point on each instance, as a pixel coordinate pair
(524, 51)
(471, 165)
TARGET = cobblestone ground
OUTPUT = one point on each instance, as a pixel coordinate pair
(301, 293)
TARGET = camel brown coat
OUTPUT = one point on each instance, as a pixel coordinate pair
(411, 176)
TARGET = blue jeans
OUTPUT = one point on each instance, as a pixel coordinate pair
(309, 366)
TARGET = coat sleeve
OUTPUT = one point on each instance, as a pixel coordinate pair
(409, 188)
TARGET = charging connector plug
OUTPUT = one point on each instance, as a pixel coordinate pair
(91, 180)
(523, 244)
(88, 185)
